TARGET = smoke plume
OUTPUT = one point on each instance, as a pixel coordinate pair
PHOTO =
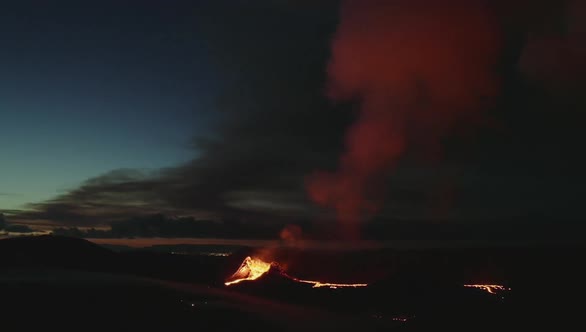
(417, 69)
(555, 55)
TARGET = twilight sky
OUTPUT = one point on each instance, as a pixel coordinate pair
(87, 88)
(281, 111)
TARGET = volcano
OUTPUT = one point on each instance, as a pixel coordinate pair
(250, 269)
(254, 268)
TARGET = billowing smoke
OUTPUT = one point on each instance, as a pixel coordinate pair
(554, 55)
(417, 69)
(291, 233)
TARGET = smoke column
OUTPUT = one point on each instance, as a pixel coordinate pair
(556, 59)
(417, 69)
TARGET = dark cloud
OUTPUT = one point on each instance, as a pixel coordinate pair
(276, 126)
(271, 134)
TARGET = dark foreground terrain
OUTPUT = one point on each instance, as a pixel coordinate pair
(71, 284)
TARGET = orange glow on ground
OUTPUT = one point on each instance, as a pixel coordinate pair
(492, 289)
(253, 268)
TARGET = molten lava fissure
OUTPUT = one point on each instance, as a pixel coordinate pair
(253, 268)
(492, 289)
(319, 284)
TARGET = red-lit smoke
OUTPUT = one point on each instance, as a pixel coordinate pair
(417, 68)
(558, 58)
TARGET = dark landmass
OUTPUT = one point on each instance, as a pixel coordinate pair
(519, 230)
(61, 280)
(158, 225)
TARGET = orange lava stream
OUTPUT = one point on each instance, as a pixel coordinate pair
(253, 268)
(319, 284)
(492, 289)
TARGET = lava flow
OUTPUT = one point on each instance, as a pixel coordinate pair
(253, 268)
(492, 289)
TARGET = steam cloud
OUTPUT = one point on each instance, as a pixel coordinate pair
(417, 69)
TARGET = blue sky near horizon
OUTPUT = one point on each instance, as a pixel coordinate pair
(111, 93)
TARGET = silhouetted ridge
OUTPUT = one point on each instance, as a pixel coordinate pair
(53, 251)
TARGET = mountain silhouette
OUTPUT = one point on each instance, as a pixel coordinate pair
(54, 251)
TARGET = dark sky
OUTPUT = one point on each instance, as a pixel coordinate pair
(220, 109)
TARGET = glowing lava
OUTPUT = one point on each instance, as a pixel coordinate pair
(319, 284)
(253, 268)
(492, 289)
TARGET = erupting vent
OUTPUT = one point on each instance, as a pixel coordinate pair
(253, 268)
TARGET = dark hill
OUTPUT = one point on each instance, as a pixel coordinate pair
(59, 252)
(54, 251)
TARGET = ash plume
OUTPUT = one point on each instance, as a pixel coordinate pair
(418, 70)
